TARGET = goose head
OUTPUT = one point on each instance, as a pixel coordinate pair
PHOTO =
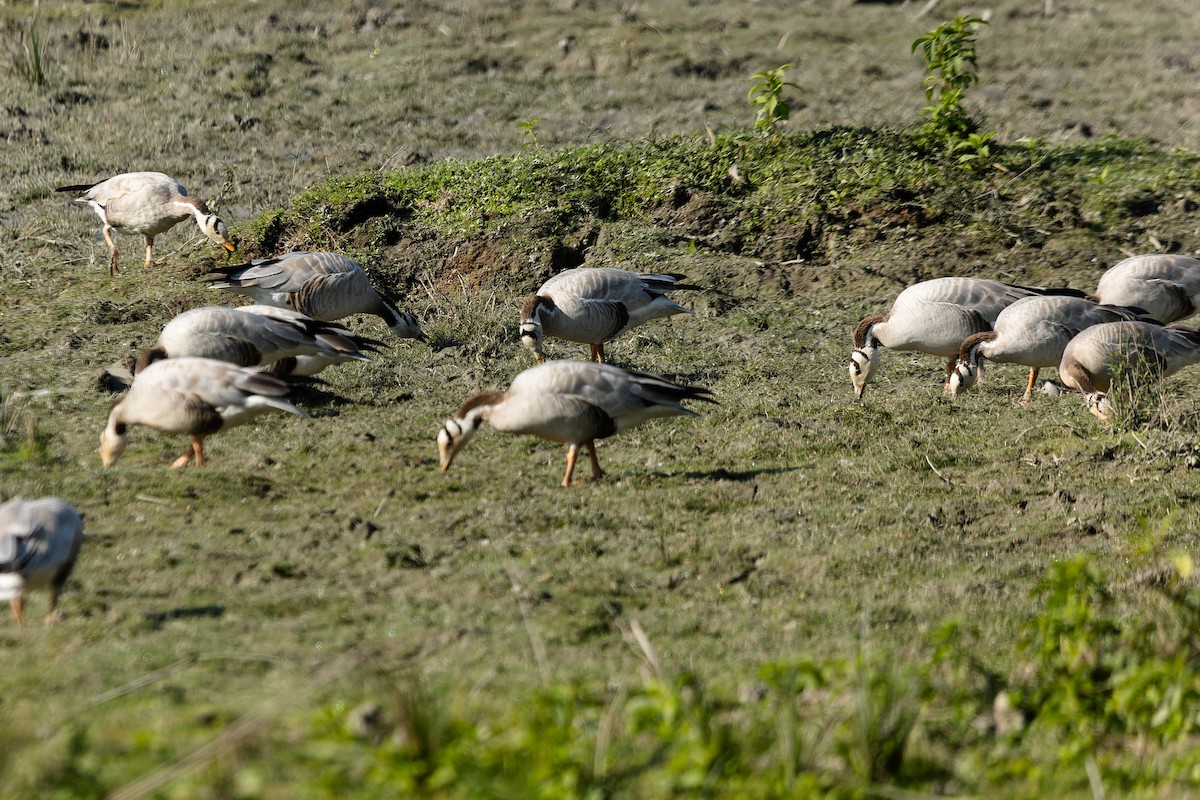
(112, 442)
(964, 376)
(1100, 406)
(531, 327)
(453, 436)
(863, 362)
(215, 229)
(407, 326)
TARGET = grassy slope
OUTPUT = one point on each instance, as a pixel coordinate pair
(786, 522)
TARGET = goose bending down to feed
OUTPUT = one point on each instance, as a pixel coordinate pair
(194, 397)
(593, 306)
(1135, 351)
(325, 286)
(1032, 332)
(252, 336)
(573, 402)
(934, 317)
(148, 203)
(1167, 286)
(39, 543)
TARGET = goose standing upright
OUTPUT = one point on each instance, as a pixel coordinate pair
(325, 286)
(195, 397)
(934, 317)
(1135, 350)
(148, 203)
(1032, 332)
(573, 402)
(251, 336)
(1167, 286)
(39, 543)
(595, 305)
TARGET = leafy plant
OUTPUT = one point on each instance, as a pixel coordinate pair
(950, 62)
(26, 55)
(767, 96)
(528, 130)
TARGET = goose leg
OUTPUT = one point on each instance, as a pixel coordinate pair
(18, 607)
(112, 247)
(1025, 398)
(149, 252)
(597, 473)
(600, 353)
(53, 616)
(198, 449)
(572, 451)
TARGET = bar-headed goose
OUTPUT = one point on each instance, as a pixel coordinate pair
(251, 336)
(1032, 332)
(148, 203)
(325, 286)
(1137, 351)
(574, 402)
(595, 305)
(934, 317)
(39, 543)
(195, 397)
(1167, 286)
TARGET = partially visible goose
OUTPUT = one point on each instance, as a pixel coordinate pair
(39, 542)
(251, 336)
(148, 203)
(595, 305)
(195, 397)
(1033, 332)
(1136, 350)
(574, 402)
(1167, 286)
(325, 286)
(934, 317)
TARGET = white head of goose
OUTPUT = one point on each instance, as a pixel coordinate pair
(325, 286)
(195, 397)
(594, 305)
(1032, 332)
(148, 203)
(252, 336)
(1138, 351)
(573, 402)
(934, 317)
(39, 543)
(1167, 286)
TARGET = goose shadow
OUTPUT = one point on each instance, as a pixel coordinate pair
(159, 617)
(739, 476)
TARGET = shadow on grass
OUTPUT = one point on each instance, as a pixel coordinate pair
(741, 476)
(159, 617)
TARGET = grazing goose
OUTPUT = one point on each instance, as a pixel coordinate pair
(574, 402)
(39, 542)
(592, 306)
(251, 336)
(1168, 287)
(934, 317)
(148, 203)
(1033, 332)
(325, 286)
(1136, 350)
(191, 396)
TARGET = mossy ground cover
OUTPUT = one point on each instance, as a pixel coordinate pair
(789, 557)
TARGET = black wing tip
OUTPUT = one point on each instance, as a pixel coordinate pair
(79, 187)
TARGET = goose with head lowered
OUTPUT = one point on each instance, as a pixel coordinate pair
(39, 543)
(1167, 286)
(1138, 352)
(573, 402)
(253, 336)
(324, 286)
(1032, 332)
(195, 397)
(934, 317)
(594, 305)
(148, 203)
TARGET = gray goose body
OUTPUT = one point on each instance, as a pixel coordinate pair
(934, 317)
(1167, 286)
(593, 306)
(1032, 332)
(251, 336)
(573, 402)
(1141, 350)
(39, 543)
(324, 286)
(149, 203)
(195, 397)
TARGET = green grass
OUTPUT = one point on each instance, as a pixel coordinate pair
(791, 557)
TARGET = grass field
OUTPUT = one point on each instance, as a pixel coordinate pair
(229, 630)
